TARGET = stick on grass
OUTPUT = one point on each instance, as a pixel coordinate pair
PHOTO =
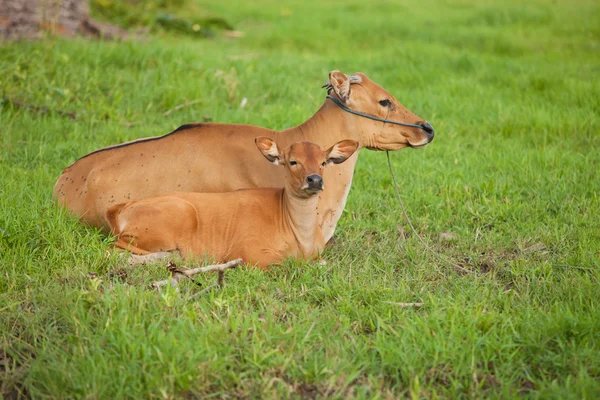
(178, 274)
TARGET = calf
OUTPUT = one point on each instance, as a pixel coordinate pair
(261, 226)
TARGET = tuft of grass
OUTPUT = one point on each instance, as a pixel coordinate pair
(511, 177)
(177, 16)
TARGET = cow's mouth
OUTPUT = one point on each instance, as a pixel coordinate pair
(313, 190)
(418, 146)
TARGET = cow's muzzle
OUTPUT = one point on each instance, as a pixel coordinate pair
(428, 129)
(315, 183)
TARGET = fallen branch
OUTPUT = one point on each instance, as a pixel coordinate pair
(178, 274)
(179, 107)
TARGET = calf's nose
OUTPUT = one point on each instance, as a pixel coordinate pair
(426, 126)
(314, 182)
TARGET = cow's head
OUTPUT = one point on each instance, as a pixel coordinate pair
(304, 162)
(358, 93)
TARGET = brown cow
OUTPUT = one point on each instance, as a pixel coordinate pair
(261, 226)
(221, 157)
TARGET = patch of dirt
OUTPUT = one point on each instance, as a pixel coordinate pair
(31, 19)
(307, 390)
(13, 373)
(304, 390)
(372, 237)
(486, 376)
(483, 376)
(439, 375)
(526, 387)
(486, 381)
(119, 275)
(486, 262)
(481, 266)
(486, 267)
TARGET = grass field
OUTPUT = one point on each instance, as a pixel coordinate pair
(512, 89)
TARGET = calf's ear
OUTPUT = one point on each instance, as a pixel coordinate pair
(341, 151)
(340, 83)
(268, 148)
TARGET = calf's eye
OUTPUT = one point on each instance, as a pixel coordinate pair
(293, 163)
(385, 102)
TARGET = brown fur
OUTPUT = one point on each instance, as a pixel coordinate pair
(221, 157)
(261, 226)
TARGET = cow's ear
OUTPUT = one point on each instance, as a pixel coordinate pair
(268, 148)
(340, 83)
(341, 151)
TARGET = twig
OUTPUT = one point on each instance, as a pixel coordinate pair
(179, 107)
(404, 305)
(218, 267)
(178, 274)
(40, 109)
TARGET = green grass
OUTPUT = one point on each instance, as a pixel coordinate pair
(513, 92)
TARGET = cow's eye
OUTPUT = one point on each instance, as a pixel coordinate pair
(385, 102)
(293, 163)
(324, 163)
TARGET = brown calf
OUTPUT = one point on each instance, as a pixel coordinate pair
(261, 226)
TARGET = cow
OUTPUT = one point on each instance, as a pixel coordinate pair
(261, 226)
(214, 157)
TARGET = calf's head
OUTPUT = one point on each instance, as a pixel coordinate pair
(304, 162)
(358, 93)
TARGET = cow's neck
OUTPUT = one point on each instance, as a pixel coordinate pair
(300, 215)
(327, 126)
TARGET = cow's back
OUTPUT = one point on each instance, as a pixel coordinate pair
(193, 158)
